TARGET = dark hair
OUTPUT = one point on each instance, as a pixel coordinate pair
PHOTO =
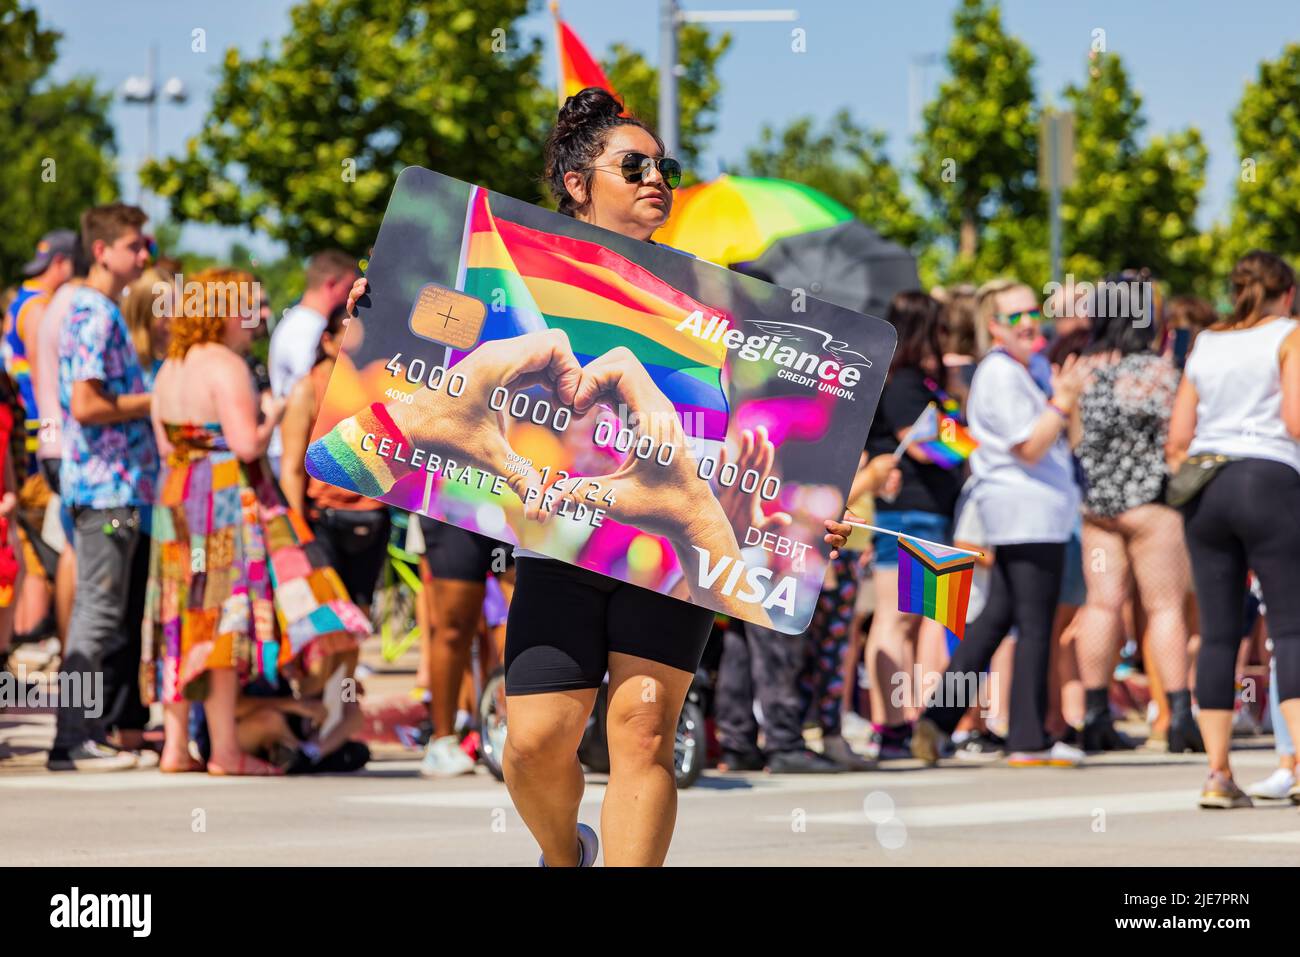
(1190, 312)
(1257, 278)
(108, 224)
(1072, 344)
(579, 136)
(919, 321)
(80, 259)
(333, 326)
(960, 305)
(1132, 325)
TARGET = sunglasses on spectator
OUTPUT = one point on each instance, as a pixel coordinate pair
(635, 165)
(1024, 315)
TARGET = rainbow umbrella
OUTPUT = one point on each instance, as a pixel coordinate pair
(791, 235)
(734, 219)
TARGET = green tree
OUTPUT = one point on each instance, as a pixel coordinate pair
(56, 143)
(1130, 205)
(848, 163)
(1267, 127)
(699, 90)
(979, 146)
(304, 143)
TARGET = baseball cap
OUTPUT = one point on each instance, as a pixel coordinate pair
(58, 242)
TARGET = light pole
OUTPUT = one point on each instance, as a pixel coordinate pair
(144, 90)
(915, 77)
(670, 15)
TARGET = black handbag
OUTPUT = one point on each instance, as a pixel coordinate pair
(1192, 477)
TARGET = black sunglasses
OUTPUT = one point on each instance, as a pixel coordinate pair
(635, 165)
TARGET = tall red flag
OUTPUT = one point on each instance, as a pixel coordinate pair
(578, 68)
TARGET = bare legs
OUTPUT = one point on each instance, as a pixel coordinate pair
(1148, 542)
(545, 779)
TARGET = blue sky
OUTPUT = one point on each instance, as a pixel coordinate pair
(1189, 59)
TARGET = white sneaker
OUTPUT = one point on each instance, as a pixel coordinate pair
(90, 756)
(853, 725)
(1275, 787)
(1059, 755)
(445, 759)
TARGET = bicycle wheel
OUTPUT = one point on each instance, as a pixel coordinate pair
(492, 723)
(691, 746)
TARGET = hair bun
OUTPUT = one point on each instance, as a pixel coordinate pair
(588, 105)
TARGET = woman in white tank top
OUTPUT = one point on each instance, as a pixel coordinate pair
(1240, 398)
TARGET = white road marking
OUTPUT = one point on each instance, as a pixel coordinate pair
(1277, 837)
(1019, 810)
(114, 781)
(754, 785)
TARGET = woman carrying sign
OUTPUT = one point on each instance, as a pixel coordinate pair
(569, 626)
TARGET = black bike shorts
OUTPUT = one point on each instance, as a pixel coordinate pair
(564, 621)
(460, 555)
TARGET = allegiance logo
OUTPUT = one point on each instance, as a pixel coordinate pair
(834, 368)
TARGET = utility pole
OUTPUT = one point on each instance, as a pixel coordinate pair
(1056, 169)
(670, 15)
(144, 91)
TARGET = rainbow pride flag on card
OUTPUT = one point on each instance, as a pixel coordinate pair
(934, 581)
(532, 280)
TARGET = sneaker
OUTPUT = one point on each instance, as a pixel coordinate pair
(445, 759)
(841, 752)
(740, 761)
(1059, 755)
(980, 746)
(348, 757)
(1244, 723)
(1221, 791)
(853, 725)
(801, 761)
(588, 847)
(1276, 787)
(90, 756)
(928, 741)
(1294, 793)
(890, 743)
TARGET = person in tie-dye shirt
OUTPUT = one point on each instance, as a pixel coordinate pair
(109, 467)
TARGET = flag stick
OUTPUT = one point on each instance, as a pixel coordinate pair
(888, 531)
(559, 53)
(911, 433)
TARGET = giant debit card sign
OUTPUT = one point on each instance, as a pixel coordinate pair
(607, 402)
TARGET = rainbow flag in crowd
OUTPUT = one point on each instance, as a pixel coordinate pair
(941, 438)
(578, 68)
(601, 300)
(934, 581)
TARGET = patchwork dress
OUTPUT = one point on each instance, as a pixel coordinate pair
(236, 579)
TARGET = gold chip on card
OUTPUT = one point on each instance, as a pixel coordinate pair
(448, 316)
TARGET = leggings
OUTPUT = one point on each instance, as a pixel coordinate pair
(821, 683)
(1024, 586)
(1245, 520)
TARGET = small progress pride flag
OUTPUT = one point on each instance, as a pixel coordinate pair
(940, 437)
(934, 581)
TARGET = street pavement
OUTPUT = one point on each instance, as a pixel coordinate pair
(1120, 810)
